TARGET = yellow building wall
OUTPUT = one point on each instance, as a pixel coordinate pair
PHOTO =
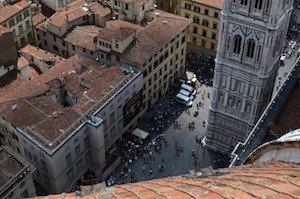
(202, 36)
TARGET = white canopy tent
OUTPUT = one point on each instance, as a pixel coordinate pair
(140, 133)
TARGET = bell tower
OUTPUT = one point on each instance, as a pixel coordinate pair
(250, 45)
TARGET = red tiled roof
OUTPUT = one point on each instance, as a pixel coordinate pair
(22, 62)
(10, 166)
(33, 99)
(30, 51)
(83, 36)
(10, 10)
(76, 10)
(268, 180)
(38, 18)
(155, 35)
(99, 9)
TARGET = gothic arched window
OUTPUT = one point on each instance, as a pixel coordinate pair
(237, 44)
(244, 2)
(250, 48)
(258, 4)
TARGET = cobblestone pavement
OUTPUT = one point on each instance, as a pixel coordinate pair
(161, 119)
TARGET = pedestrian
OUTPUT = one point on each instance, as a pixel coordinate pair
(143, 168)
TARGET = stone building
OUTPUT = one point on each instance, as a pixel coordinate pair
(16, 16)
(67, 121)
(8, 53)
(203, 33)
(15, 175)
(246, 65)
(166, 5)
(157, 45)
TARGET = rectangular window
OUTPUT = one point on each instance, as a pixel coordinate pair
(27, 25)
(26, 13)
(216, 15)
(23, 41)
(21, 29)
(24, 194)
(215, 26)
(182, 40)
(55, 48)
(206, 12)
(15, 137)
(19, 18)
(11, 23)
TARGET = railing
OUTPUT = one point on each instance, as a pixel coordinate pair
(256, 136)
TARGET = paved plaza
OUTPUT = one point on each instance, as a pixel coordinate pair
(172, 149)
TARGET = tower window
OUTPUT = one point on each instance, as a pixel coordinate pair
(258, 4)
(237, 44)
(250, 48)
(244, 2)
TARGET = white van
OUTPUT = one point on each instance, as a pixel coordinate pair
(188, 88)
(184, 100)
(187, 93)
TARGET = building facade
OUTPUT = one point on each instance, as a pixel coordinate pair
(8, 52)
(16, 175)
(86, 108)
(203, 33)
(16, 16)
(246, 65)
(166, 5)
(56, 4)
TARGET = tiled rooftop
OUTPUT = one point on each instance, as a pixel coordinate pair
(30, 51)
(269, 180)
(83, 36)
(289, 117)
(10, 166)
(76, 10)
(212, 3)
(10, 10)
(48, 121)
(22, 62)
(38, 18)
(161, 28)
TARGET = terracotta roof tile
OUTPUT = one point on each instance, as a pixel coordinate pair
(10, 10)
(38, 18)
(9, 165)
(91, 87)
(155, 35)
(226, 183)
(22, 62)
